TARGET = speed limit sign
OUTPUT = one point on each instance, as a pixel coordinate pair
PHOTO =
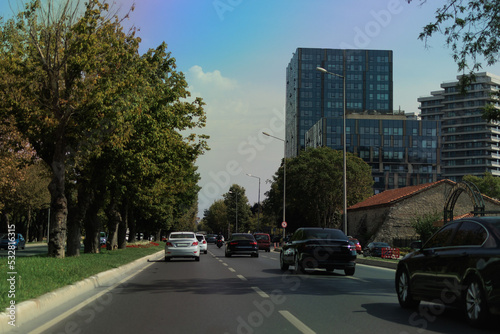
(283, 224)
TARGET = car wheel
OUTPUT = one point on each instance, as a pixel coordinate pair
(167, 259)
(403, 289)
(205, 252)
(256, 254)
(227, 254)
(476, 311)
(349, 271)
(299, 268)
(197, 258)
(329, 269)
(283, 266)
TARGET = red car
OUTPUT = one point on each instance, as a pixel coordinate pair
(263, 241)
(356, 243)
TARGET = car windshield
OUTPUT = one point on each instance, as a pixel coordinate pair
(182, 236)
(261, 237)
(199, 237)
(381, 244)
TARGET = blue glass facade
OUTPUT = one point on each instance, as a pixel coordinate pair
(401, 152)
(312, 95)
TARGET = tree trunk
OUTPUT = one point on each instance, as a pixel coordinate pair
(132, 229)
(59, 208)
(122, 228)
(114, 220)
(92, 226)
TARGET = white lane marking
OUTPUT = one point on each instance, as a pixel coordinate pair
(296, 322)
(225, 264)
(241, 277)
(232, 270)
(260, 292)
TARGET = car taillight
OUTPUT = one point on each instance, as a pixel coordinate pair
(204, 241)
(253, 242)
(169, 244)
(195, 243)
(233, 243)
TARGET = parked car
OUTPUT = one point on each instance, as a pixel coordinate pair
(375, 248)
(203, 243)
(357, 244)
(458, 265)
(15, 239)
(183, 245)
(102, 238)
(241, 243)
(311, 247)
(263, 241)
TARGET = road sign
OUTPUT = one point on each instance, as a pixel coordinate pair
(283, 224)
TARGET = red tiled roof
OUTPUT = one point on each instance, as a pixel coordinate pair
(394, 195)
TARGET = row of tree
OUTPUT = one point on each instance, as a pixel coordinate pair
(314, 194)
(108, 123)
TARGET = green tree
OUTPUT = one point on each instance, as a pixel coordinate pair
(472, 30)
(314, 192)
(488, 184)
(215, 217)
(238, 209)
(424, 225)
(88, 102)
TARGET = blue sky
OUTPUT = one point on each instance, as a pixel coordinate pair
(234, 54)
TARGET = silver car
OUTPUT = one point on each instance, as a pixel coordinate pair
(182, 244)
(203, 243)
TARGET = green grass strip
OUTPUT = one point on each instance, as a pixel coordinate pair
(37, 275)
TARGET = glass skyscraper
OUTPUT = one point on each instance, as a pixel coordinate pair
(312, 95)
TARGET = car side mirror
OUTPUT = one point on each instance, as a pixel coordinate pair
(416, 245)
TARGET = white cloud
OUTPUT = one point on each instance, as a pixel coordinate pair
(213, 79)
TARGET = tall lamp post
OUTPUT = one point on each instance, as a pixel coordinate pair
(321, 69)
(284, 180)
(236, 194)
(258, 203)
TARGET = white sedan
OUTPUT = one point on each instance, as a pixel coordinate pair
(202, 242)
(182, 244)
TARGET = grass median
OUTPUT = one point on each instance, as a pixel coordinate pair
(37, 275)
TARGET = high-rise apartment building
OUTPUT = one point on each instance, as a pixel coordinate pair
(312, 95)
(470, 144)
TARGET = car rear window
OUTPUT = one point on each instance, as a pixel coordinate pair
(261, 237)
(242, 237)
(182, 236)
(325, 234)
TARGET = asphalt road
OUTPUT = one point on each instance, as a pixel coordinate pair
(252, 295)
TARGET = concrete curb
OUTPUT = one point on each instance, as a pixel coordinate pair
(33, 308)
(376, 263)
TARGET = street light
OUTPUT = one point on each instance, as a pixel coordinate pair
(258, 208)
(284, 177)
(236, 194)
(321, 69)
